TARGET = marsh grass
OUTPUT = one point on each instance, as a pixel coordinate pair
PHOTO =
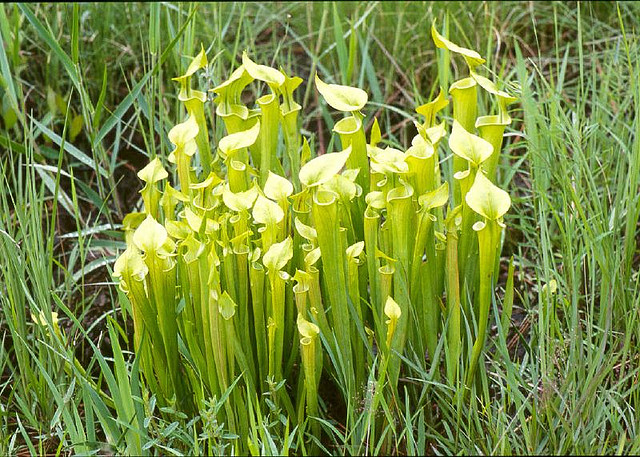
(561, 380)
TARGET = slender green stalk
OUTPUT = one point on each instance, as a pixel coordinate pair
(325, 216)
(401, 213)
(351, 131)
(257, 280)
(491, 129)
(289, 111)
(371, 222)
(454, 340)
(312, 366)
(464, 94)
(488, 242)
(492, 203)
(268, 138)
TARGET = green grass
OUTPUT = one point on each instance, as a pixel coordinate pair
(562, 378)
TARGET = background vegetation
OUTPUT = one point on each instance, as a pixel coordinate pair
(86, 93)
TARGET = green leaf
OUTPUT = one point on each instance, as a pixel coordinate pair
(267, 212)
(290, 83)
(490, 87)
(170, 194)
(303, 279)
(153, 172)
(462, 84)
(278, 255)
(307, 232)
(41, 320)
(429, 110)
(312, 257)
(342, 98)
(198, 62)
(351, 174)
(288, 102)
(420, 147)
(392, 309)
(239, 140)
(308, 330)
(210, 182)
(305, 154)
(184, 132)
(375, 135)
(226, 306)
(487, 199)
(402, 192)
(323, 168)
(195, 222)
(472, 58)
(347, 125)
(436, 133)
(354, 251)
(271, 76)
(492, 120)
(469, 146)
(188, 148)
(550, 288)
(187, 94)
(388, 160)
(235, 84)
(435, 198)
(179, 230)
(129, 264)
(342, 186)
(241, 201)
(150, 236)
(376, 199)
(277, 188)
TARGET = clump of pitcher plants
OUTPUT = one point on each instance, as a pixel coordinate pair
(264, 268)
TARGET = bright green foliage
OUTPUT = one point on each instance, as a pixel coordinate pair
(264, 268)
(342, 98)
(472, 58)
